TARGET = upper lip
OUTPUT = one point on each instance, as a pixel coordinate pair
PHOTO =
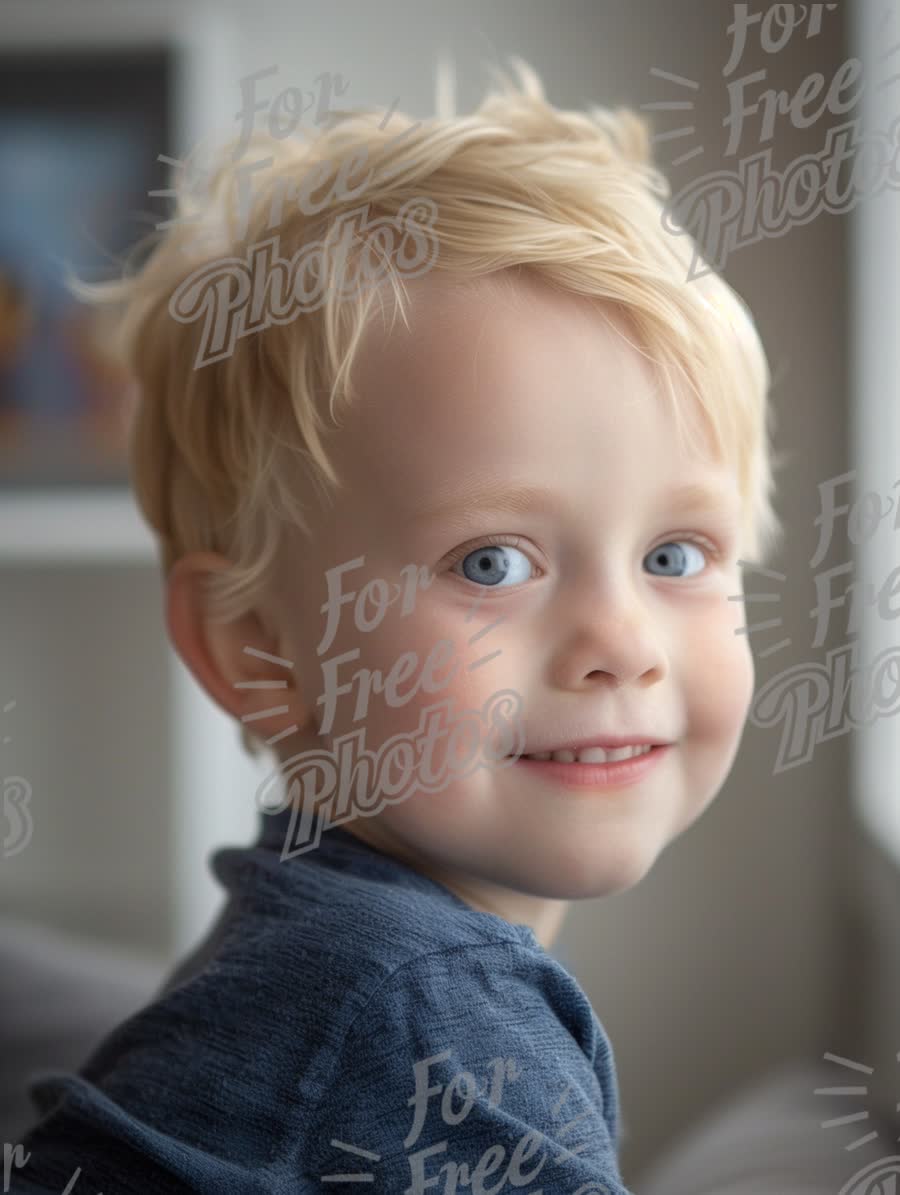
(611, 742)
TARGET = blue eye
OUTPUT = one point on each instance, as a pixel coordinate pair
(673, 557)
(495, 563)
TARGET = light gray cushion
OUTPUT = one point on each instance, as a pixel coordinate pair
(59, 996)
(770, 1140)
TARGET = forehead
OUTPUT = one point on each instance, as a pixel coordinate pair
(506, 374)
(465, 331)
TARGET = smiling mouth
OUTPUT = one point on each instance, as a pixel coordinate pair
(594, 755)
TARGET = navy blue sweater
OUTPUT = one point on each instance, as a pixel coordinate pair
(346, 1016)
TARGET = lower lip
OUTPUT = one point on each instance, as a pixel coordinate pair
(598, 775)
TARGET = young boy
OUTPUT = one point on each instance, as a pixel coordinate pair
(468, 577)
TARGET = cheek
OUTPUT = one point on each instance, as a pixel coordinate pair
(464, 672)
(419, 649)
(722, 680)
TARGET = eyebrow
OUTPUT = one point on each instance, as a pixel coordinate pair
(497, 497)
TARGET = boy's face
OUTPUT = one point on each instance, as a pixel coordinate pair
(598, 631)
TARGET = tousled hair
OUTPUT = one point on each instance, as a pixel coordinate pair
(571, 197)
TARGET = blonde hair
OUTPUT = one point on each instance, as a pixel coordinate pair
(572, 197)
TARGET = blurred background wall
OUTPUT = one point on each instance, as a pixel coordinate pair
(734, 954)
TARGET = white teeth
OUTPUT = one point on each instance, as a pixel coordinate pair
(601, 755)
(627, 752)
(592, 754)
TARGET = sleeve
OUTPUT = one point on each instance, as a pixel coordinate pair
(176, 1100)
(88, 1144)
(470, 1070)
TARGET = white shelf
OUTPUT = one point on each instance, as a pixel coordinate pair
(74, 527)
(125, 722)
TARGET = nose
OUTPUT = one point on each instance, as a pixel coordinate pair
(612, 637)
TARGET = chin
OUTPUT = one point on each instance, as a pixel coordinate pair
(630, 869)
(625, 880)
(592, 879)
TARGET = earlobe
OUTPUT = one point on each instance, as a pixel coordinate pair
(202, 647)
(228, 660)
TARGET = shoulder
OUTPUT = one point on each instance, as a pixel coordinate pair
(466, 1056)
(350, 925)
(351, 946)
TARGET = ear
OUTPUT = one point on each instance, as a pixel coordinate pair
(239, 663)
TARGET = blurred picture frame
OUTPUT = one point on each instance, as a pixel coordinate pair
(80, 133)
(96, 101)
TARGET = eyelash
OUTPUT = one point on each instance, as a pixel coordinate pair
(713, 550)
